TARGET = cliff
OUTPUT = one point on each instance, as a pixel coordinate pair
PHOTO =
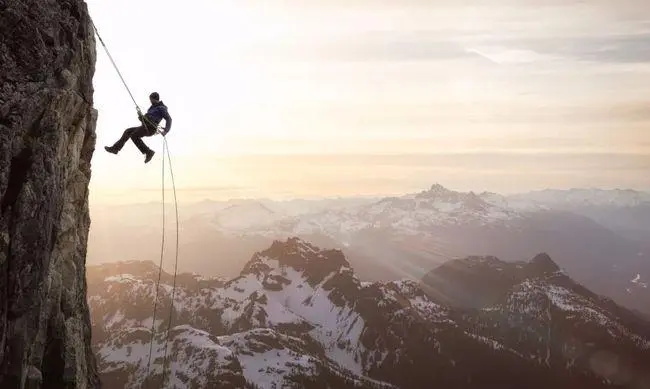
(47, 138)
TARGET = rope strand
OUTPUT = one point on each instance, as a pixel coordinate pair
(160, 267)
(171, 309)
(114, 64)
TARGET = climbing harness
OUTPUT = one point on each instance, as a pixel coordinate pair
(167, 154)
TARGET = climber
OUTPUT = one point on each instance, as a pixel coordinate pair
(150, 120)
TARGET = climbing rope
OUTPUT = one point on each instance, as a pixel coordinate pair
(162, 251)
(173, 294)
(171, 309)
(162, 244)
(108, 53)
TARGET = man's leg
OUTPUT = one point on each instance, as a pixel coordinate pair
(120, 143)
(136, 137)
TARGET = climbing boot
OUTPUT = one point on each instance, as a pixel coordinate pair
(110, 149)
(149, 154)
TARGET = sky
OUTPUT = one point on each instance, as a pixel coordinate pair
(334, 98)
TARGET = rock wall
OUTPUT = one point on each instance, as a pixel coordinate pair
(47, 138)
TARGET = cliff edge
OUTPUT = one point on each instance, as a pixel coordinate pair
(47, 138)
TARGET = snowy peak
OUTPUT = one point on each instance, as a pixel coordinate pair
(438, 188)
(412, 214)
(316, 264)
(440, 194)
(437, 191)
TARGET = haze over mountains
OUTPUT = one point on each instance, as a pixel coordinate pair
(626, 212)
(599, 237)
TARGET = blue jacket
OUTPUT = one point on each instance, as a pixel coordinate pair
(157, 112)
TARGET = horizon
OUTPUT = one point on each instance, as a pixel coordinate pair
(193, 200)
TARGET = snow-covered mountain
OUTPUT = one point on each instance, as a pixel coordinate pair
(298, 317)
(414, 213)
(409, 214)
(407, 236)
(601, 247)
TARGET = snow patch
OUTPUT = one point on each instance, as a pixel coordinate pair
(122, 278)
(637, 280)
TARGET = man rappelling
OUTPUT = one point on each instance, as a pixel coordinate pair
(150, 121)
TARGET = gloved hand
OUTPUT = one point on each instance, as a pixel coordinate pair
(164, 132)
(140, 116)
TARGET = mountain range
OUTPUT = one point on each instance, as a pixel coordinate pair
(297, 316)
(600, 238)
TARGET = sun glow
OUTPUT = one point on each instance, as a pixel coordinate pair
(337, 78)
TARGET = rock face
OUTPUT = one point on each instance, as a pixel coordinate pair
(47, 138)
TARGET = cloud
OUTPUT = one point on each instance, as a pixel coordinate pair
(603, 48)
(504, 55)
(508, 47)
(363, 46)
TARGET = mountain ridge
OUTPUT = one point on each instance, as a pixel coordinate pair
(302, 322)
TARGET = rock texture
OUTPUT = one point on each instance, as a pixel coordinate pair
(47, 138)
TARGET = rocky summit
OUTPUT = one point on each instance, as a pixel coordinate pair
(47, 138)
(298, 317)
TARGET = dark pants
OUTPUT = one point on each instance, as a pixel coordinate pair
(135, 134)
